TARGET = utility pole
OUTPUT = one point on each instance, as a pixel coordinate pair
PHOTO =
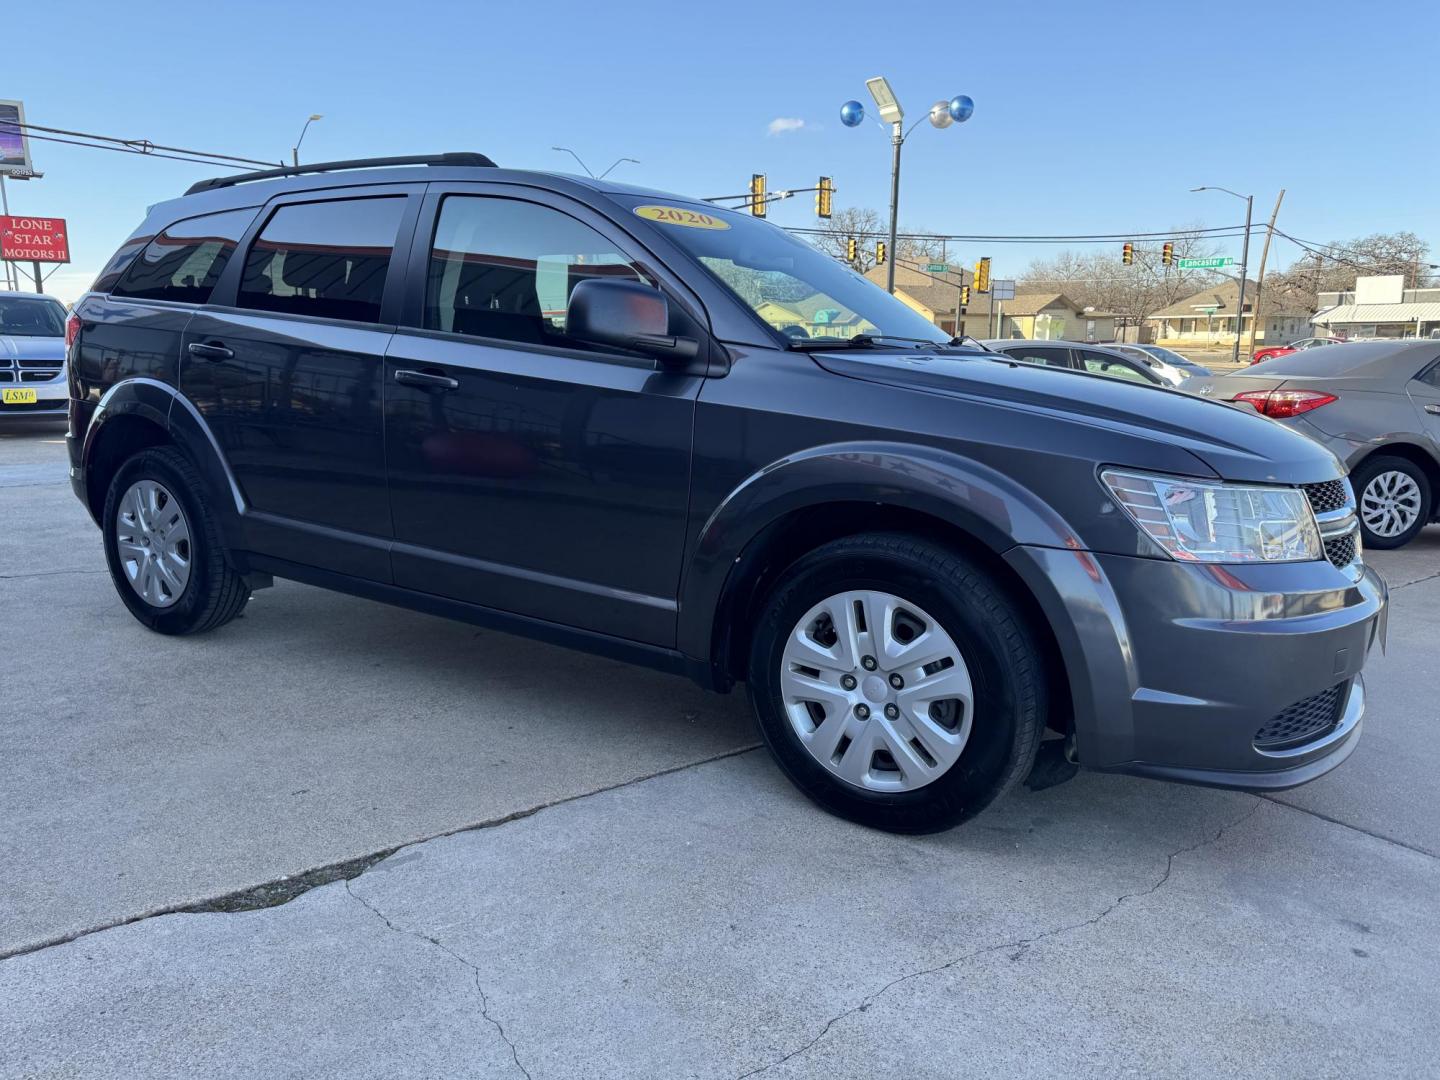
(1260, 275)
(12, 274)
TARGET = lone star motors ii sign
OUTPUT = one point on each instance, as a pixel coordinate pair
(34, 239)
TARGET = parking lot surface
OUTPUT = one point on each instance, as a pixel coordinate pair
(647, 896)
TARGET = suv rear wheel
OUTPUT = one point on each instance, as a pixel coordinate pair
(896, 684)
(1393, 494)
(163, 547)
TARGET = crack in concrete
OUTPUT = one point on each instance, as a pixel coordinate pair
(1020, 945)
(458, 958)
(48, 573)
(1417, 581)
(1354, 828)
(284, 889)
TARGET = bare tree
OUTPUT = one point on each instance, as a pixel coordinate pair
(1338, 264)
(853, 221)
(1099, 279)
(867, 226)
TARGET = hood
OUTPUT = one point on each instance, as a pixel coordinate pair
(1235, 442)
(17, 347)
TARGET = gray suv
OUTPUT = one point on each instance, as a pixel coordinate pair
(634, 423)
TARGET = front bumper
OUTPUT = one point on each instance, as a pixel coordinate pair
(1176, 669)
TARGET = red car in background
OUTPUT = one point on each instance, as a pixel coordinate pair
(1294, 346)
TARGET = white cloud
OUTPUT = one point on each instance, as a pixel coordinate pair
(783, 125)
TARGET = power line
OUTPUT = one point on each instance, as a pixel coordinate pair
(1214, 233)
(143, 147)
(140, 153)
(1333, 258)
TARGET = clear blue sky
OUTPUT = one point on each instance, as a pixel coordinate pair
(1088, 117)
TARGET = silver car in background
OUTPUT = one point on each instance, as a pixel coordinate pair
(32, 358)
(1376, 405)
(1170, 366)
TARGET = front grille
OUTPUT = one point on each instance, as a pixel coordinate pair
(54, 364)
(39, 376)
(1304, 721)
(1339, 534)
(1327, 497)
(1340, 550)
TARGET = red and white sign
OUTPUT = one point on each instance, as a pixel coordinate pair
(34, 239)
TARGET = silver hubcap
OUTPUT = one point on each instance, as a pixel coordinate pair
(153, 539)
(877, 691)
(1390, 503)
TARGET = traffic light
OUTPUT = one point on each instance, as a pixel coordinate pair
(879, 252)
(852, 250)
(982, 275)
(964, 295)
(824, 194)
(1127, 254)
(757, 194)
(1167, 253)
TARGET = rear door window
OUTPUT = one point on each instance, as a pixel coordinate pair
(184, 262)
(328, 259)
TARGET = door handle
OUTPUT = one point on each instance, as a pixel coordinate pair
(210, 352)
(426, 380)
(1433, 409)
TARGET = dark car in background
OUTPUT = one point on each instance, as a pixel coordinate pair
(617, 420)
(32, 358)
(1376, 406)
(1079, 356)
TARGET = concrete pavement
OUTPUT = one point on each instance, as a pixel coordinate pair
(703, 921)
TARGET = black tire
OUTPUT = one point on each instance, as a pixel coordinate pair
(1367, 471)
(215, 593)
(993, 636)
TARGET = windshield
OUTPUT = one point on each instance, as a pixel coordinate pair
(796, 289)
(23, 316)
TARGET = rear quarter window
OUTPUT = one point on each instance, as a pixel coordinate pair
(184, 261)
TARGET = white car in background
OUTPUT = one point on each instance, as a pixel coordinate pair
(32, 358)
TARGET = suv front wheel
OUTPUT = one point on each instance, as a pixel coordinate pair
(896, 684)
(164, 549)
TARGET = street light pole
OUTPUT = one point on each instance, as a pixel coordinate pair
(295, 150)
(1244, 265)
(942, 114)
(1244, 270)
(897, 137)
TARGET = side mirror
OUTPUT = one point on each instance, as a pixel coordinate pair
(628, 315)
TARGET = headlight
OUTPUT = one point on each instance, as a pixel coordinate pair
(1215, 522)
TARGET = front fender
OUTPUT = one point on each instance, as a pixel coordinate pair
(967, 494)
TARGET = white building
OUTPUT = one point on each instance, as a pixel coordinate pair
(1379, 307)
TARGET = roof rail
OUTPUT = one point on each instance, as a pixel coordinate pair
(456, 159)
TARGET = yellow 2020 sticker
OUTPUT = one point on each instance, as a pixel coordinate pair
(679, 215)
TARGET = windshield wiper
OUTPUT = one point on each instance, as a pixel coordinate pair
(865, 341)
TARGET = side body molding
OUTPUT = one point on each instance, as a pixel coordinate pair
(963, 492)
(161, 404)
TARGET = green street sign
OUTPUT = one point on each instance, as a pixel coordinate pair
(936, 268)
(1203, 264)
